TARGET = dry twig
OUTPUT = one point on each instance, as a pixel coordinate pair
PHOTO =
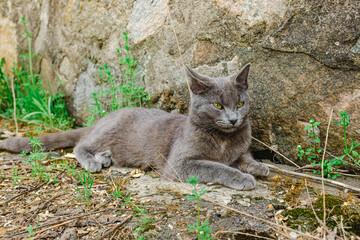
(56, 223)
(115, 228)
(181, 58)
(322, 175)
(311, 205)
(54, 226)
(14, 99)
(23, 193)
(329, 182)
(277, 152)
(241, 233)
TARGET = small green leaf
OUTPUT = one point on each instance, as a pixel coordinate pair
(355, 153)
(190, 197)
(317, 140)
(316, 124)
(193, 180)
(307, 127)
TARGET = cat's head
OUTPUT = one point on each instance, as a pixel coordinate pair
(220, 104)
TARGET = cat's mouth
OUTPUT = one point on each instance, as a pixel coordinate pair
(228, 130)
(228, 127)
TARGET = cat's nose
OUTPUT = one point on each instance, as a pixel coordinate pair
(233, 120)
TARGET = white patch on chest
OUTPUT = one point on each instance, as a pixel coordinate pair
(222, 147)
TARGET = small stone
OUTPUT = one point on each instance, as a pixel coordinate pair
(69, 234)
(293, 235)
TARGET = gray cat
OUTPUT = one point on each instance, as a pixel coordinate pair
(212, 142)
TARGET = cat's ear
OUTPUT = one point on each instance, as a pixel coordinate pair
(198, 83)
(242, 76)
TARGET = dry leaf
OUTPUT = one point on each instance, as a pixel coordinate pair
(145, 201)
(2, 231)
(70, 155)
(81, 232)
(136, 173)
(7, 134)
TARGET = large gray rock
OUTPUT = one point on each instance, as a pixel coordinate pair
(304, 54)
(326, 30)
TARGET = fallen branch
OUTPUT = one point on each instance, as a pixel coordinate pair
(318, 167)
(242, 233)
(57, 223)
(115, 228)
(54, 226)
(329, 182)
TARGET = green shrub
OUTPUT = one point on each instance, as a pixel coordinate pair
(122, 91)
(33, 101)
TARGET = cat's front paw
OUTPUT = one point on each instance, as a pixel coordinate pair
(104, 158)
(242, 182)
(259, 170)
(93, 166)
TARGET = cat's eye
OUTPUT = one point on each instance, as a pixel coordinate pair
(240, 104)
(218, 106)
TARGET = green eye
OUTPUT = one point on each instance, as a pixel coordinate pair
(240, 105)
(218, 106)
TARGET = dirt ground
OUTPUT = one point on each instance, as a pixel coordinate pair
(152, 207)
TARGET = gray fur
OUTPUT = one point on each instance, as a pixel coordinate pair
(212, 143)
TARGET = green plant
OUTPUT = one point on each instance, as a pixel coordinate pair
(125, 93)
(349, 151)
(204, 229)
(86, 179)
(311, 153)
(70, 169)
(143, 220)
(330, 166)
(31, 229)
(16, 177)
(35, 158)
(33, 102)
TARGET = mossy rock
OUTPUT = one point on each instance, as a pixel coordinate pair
(335, 211)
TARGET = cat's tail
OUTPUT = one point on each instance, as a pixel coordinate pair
(50, 141)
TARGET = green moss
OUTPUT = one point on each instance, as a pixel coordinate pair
(331, 202)
(301, 217)
(334, 212)
(259, 198)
